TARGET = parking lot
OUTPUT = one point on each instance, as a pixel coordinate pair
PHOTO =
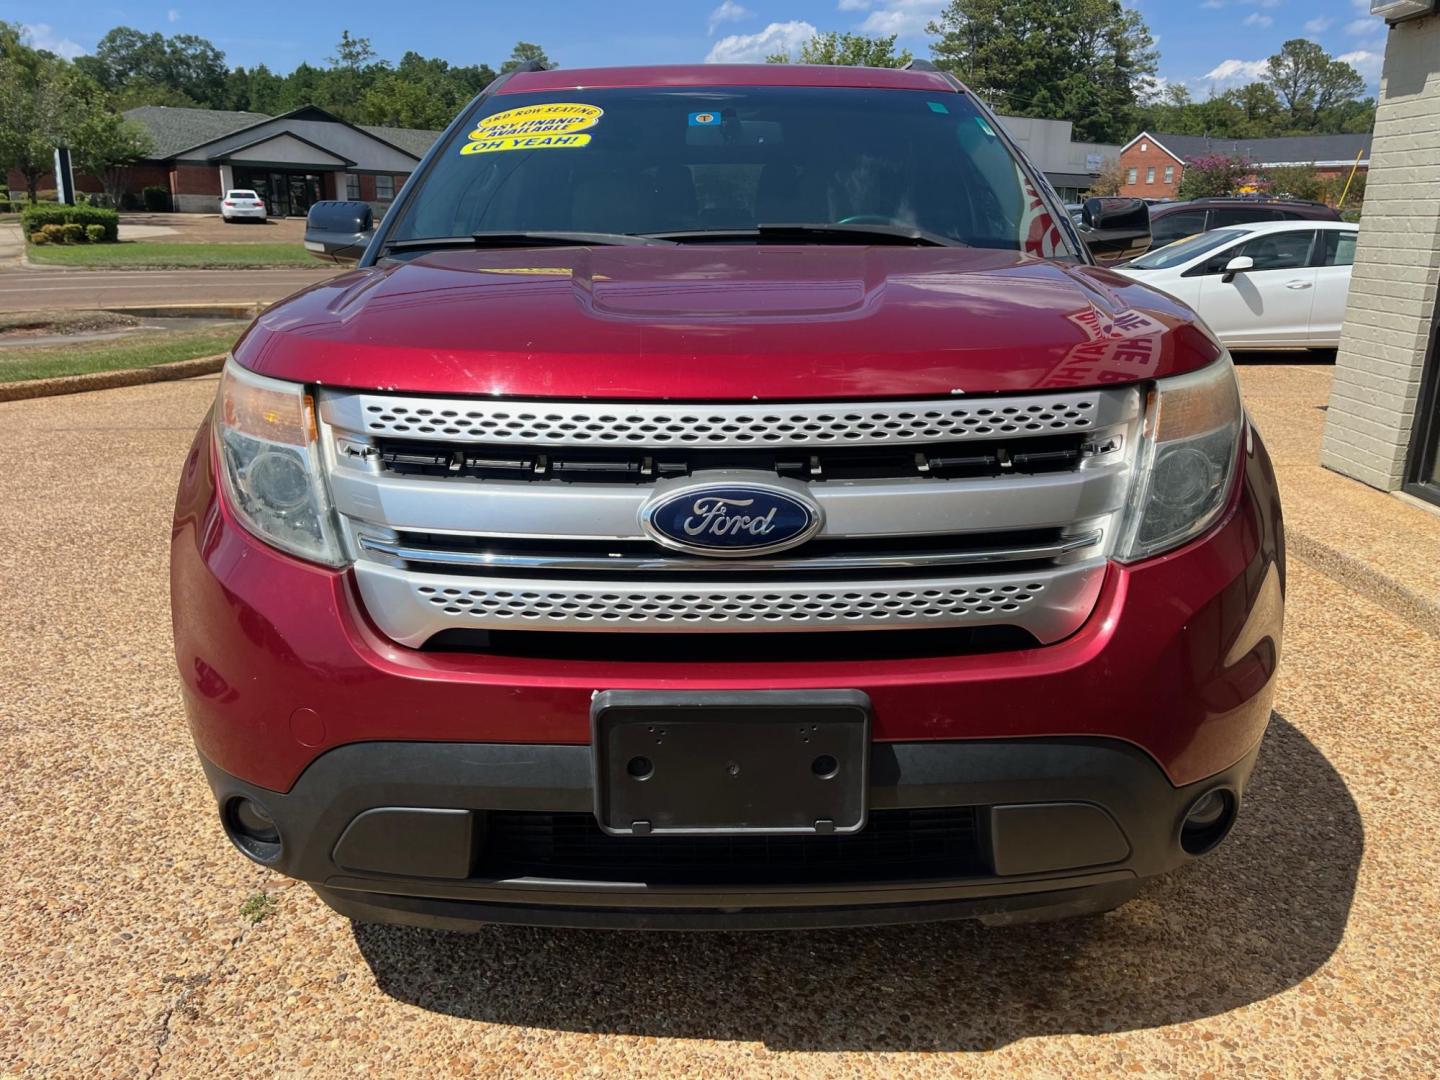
(1306, 946)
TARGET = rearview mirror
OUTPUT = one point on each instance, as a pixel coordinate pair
(1238, 265)
(1115, 229)
(339, 230)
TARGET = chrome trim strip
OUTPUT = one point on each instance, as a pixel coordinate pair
(859, 508)
(595, 564)
(731, 425)
(410, 607)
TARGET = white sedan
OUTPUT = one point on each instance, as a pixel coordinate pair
(1267, 285)
(241, 204)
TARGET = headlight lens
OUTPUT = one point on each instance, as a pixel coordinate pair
(270, 462)
(1187, 458)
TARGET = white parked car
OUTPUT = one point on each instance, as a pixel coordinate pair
(242, 203)
(1266, 285)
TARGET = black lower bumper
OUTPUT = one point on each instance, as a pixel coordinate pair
(452, 835)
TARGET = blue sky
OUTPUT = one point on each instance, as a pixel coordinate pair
(1203, 43)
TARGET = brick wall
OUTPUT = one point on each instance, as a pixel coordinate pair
(195, 180)
(1393, 290)
(137, 178)
(1144, 156)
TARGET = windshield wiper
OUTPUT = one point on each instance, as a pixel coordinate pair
(833, 233)
(528, 240)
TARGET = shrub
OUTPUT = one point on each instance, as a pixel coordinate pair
(39, 238)
(157, 198)
(1214, 175)
(1294, 181)
(74, 233)
(54, 234)
(6, 206)
(33, 218)
(95, 234)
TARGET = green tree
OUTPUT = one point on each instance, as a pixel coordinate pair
(851, 50)
(104, 145)
(1308, 81)
(156, 70)
(352, 53)
(1086, 61)
(423, 93)
(37, 102)
(1110, 180)
(524, 51)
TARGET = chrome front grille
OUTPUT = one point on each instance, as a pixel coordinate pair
(1021, 542)
(744, 425)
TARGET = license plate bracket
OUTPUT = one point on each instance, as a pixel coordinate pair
(695, 763)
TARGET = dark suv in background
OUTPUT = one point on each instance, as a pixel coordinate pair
(1175, 221)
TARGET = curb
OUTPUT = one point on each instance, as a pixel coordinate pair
(109, 380)
(244, 310)
(1420, 611)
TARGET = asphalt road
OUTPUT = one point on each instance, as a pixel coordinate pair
(56, 290)
(1306, 946)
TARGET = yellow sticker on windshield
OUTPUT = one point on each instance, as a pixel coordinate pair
(554, 125)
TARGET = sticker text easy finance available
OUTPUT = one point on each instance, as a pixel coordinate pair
(553, 125)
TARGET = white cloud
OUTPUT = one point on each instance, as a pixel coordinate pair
(754, 48)
(1319, 25)
(1237, 71)
(1367, 63)
(1361, 27)
(854, 5)
(42, 36)
(728, 11)
(905, 18)
(1256, 19)
(173, 15)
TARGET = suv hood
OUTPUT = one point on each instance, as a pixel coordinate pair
(725, 323)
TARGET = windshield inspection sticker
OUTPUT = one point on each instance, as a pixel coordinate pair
(704, 119)
(553, 126)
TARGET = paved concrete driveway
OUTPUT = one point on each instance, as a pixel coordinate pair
(1306, 946)
(72, 290)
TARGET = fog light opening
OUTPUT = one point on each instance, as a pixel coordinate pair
(1208, 821)
(252, 829)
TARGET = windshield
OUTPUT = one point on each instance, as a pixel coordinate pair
(677, 160)
(1182, 251)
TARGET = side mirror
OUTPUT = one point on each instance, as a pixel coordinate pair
(1238, 265)
(1115, 229)
(339, 230)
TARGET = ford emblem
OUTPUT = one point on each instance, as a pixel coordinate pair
(731, 519)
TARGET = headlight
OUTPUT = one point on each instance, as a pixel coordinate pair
(1186, 461)
(265, 429)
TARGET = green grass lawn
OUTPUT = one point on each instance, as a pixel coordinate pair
(131, 351)
(153, 255)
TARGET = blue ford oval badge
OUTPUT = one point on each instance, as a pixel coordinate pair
(730, 519)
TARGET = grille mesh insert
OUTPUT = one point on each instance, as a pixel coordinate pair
(657, 608)
(726, 425)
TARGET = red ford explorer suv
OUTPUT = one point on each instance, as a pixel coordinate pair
(727, 497)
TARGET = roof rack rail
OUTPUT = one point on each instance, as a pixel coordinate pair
(916, 64)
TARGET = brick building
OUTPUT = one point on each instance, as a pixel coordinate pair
(291, 160)
(1383, 423)
(1153, 164)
